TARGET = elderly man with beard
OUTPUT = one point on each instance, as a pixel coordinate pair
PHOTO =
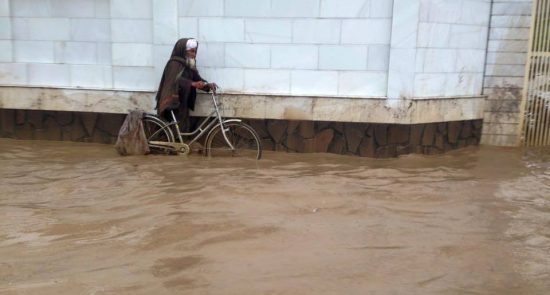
(179, 83)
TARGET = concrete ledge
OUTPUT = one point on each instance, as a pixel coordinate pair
(367, 110)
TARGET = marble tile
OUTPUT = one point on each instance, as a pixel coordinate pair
(221, 30)
(5, 28)
(343, 57)
(249, 8)
(200, 8)
(345, 8)
(362, 84)
(188, 27)
(321, 83)
(132, 54)
(256, 56)
(268, 30)
(33, 51)
(56, 75)
(139, 9)
(132, 31)
(6, 51)
(13, 74)
(267, 81)
(293, 8)
(91, 76)
(316, 31)
(303, 57)
(165, 21)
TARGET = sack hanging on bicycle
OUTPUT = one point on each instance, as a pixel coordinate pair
(131, 138)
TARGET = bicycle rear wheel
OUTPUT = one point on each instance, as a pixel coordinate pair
(243, 138)
(157, 130)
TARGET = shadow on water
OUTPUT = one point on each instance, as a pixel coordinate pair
(77, 218)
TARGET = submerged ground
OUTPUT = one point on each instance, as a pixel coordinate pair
(79, 219)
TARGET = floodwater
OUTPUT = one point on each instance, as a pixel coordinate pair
(79, 219)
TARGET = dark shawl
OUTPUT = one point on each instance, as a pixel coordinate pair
(178, 94)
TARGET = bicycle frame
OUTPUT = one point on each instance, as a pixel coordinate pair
(206, 125)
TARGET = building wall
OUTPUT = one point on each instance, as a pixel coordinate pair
(328, 48)
(505, 70)
(307, 47)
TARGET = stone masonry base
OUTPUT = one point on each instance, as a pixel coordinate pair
(361, 139)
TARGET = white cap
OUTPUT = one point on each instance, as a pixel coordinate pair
(191, 44)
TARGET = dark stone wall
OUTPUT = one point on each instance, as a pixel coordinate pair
(361, 139)
(61, 126)
(366, 139)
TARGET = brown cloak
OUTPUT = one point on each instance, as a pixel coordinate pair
(177, 93)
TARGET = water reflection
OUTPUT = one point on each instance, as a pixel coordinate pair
(79, 219)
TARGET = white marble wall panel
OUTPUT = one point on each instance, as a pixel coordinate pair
(475, 12)
(161, 55)
(75, 52)
(251, 8)
(441, 11)
(40, 74)
(229, 79)
(506, 58)
(358, 83)
(506, 70)
(5, 28)
(293, 8)
(72, 8)
(470, 60)
(92, 30)
(13, 73)
(294, 57)
(509, 33)
(343, 57)
(91, 76)
(31, 8)
(378, 57)
(200, 7)
(6, 51)
(165, 21)
(51, 29)
(512, 8)
(212, 55)
(221, 30)
(267, 81)
(131, 31)
(381, 8)
(33, 51)
(511, 21)
(345, 8)
(321, 83)
(366, 31)
(4, 8)
(440, 60)
(188, 27)
(467, 36)
(131, 9)
(434, 35)
(102, 8)
(134, 78)
(507, 46)
(132, 54)
(255, 56)
(316, 31)
(104, 56)
(268, 31)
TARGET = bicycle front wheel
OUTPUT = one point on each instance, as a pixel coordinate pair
(244, 139)
(156, 130)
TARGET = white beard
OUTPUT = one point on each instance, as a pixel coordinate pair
(192, 63)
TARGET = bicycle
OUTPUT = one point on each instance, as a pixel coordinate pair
(224, 137)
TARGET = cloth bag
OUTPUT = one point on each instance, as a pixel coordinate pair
(131, 138)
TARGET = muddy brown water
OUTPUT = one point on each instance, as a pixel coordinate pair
(79, 219)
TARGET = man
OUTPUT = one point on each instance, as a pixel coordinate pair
(180, 81)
